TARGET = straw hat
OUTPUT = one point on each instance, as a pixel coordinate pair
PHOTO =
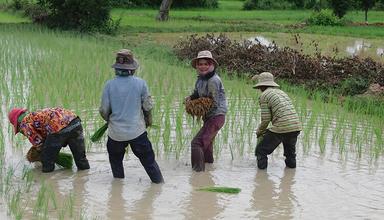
(205, 54)
(265, 79)
(13, 116)
(125, 60)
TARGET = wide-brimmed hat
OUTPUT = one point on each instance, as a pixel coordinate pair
(205, 54)
(125, 60)
(13, 115)
(265, 79)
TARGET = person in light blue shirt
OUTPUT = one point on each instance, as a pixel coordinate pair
(126, 105)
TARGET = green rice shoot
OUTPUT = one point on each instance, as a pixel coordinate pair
(65, 160)
(221, 189)
(99, 133)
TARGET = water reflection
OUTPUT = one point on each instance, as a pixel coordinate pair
(260, 39)
(272, 201)
(144, 208)
(359, 45)
(202, 205)
(380, 52)
(116, 209)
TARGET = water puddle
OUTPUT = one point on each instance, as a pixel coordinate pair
(260, 40)
(349, 47)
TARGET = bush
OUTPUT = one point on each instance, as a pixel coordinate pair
(19, 4)
(250, 4)
(339, 7)
(347, 76)
(267, 4)
(354, 86)
(324, 18)
(156, 3)
(37, 13)
(82, 15)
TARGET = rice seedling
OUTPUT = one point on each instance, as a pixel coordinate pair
(99, 133)
(221, 189)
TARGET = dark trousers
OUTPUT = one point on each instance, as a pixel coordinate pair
(270, 142)
(72, 136)
(202, 143)
(142, 148)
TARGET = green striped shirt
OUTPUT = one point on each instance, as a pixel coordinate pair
(276, 107)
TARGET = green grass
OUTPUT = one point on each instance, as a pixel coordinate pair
(10, 17)
(230, 17)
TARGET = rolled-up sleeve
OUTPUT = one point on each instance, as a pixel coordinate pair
(146, 98)
(105, 106)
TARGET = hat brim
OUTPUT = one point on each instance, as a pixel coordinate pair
(194, 61)
(269, 84)
(131, 66)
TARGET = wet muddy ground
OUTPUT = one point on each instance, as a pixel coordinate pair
(322, 186)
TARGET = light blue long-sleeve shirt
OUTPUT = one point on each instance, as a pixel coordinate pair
(123, 101)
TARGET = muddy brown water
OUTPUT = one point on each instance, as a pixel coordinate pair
(326, 186)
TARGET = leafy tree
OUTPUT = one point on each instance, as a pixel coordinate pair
(339, 7)
(366, 5)
(298, 3)
(82, 15)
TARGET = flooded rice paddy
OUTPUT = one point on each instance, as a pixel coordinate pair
(322, 186)
(339, 172)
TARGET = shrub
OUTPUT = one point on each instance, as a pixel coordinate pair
(317, 72)
(37, 13)
(156, 3)
(354, 86)
(82, 15)
(250, 4)
(324, 18)
(339, 7)
(19, 4)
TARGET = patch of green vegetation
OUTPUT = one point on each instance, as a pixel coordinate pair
(230, 17)
(12, 17)
(221, 189)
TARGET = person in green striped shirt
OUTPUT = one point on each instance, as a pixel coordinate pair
(279, 122)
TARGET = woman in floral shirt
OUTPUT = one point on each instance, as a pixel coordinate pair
(50, 129)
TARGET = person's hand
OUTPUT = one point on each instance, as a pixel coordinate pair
(147, 118)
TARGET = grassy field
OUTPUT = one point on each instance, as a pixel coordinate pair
(230, 17)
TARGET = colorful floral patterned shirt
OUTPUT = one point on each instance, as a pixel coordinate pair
(37, 125)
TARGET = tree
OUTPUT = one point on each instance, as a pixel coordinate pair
(298, 3)
(164, 10)
(339, 7)
(82, 15)
(366, 5)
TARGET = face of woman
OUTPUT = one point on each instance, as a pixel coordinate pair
(203, 66)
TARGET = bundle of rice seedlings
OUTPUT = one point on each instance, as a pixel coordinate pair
(221, 189)
(63, 159)
(33, 154)
(198, 107)
(99, 133)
